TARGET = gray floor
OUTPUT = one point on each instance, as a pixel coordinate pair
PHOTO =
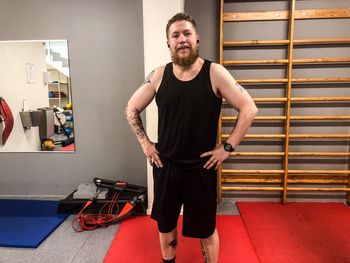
(64, 245)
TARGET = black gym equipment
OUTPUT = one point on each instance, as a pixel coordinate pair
(69, 139)
(127, 193)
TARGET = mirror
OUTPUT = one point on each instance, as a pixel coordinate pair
(36, 109)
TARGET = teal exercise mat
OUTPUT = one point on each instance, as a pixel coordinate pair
(27, 223)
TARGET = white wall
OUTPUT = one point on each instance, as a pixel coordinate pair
(156, 14)
(14, 88)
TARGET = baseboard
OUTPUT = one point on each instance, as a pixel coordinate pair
(34, 197)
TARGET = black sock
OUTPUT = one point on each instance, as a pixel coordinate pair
(169, 261)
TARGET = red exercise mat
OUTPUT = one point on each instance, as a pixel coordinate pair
(298, 232)
(137, 241)
(68, 148)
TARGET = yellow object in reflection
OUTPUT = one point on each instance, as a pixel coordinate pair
(48, 145)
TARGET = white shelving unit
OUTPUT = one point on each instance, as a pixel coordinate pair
(59, 85)
(59, 95)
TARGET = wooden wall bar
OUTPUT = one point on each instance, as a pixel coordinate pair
(285, 180)
(285, 14)
(298, 42)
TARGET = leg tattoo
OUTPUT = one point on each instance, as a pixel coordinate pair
(173, 243)
(205, 251)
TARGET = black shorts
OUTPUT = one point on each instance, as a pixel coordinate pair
(195, 189)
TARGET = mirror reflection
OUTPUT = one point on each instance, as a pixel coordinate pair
(36, 109)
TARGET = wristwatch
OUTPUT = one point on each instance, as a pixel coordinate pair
(228, 147)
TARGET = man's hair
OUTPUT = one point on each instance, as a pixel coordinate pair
(180, 17)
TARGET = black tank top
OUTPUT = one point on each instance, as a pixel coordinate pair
(188, 113)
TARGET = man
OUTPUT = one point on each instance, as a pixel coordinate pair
(188, 94)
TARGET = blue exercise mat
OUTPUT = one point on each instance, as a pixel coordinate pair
(26, 223)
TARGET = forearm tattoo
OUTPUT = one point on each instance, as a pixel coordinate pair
(148, 78)
(134, 118)
(135, 123)
(205, 251)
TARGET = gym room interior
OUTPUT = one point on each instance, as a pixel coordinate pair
(282, 196)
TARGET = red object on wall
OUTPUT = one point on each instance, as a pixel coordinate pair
(7, 117)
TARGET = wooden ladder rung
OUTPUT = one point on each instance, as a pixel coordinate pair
(255, 62)
(268, 136)
(233, 118)
(322, 189)
(257, 154)
(320, 60)
(338, 117)
(259, 136)
(290, 153)
(319, 135)
(298, 80)
(263, 100)
(251, 188)
(255, 42)
(298, 99)
(284, 15)
(321, 41)
(318, 171)
(233, 171)
(257, 81)
(296, 179)
(308, 80)
(286, 42)
(285, 61)
(264, 118)
(266, 188)
(270, 99)
(319, 153)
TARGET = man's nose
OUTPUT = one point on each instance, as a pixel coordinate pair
(182, 38)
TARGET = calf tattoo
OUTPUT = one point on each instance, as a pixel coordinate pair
(173, 243)
(135, 123)
(205, 251)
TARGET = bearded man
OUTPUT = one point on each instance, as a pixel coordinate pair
(188, 93)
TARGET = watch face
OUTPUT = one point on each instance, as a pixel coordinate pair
(228, 147)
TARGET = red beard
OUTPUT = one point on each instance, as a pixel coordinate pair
(185, 61)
